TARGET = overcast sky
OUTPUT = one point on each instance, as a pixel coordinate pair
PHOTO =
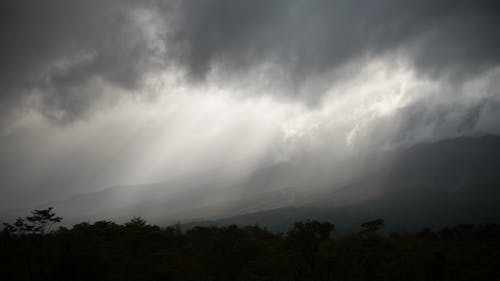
(98, 93)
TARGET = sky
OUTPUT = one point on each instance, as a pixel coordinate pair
(100, 93)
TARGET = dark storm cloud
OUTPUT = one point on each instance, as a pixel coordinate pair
(68, 59)
(60, 50)
(420, 122)
(310, 37)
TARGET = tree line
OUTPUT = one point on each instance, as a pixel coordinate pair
(136, 250)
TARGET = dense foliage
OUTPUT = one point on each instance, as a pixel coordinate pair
(136, 250)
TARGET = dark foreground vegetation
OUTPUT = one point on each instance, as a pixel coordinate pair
(104, 250)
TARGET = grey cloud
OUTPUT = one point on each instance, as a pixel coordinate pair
(68, 54)
(450, 42)
(424, 122)
(58, 48)
(310, 37)
(62, 49)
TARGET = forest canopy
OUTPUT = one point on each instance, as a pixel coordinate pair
(136, 250)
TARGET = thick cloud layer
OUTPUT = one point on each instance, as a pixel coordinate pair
(311, 37)
(62, 52)
(102, 92)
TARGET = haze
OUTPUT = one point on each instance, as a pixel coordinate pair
(96, 94)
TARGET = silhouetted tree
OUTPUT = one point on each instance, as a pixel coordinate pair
(19, 227)
(370, 228)
(136, 250)
(43, 220)
(40, 222)
(306, 237)
(136, 222)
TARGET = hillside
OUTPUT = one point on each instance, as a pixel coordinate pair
(451, 181)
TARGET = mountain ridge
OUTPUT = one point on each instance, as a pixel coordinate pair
(419, 177)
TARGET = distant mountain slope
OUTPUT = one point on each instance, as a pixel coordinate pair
(451, 181)
(448, 182)
(403, 209)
